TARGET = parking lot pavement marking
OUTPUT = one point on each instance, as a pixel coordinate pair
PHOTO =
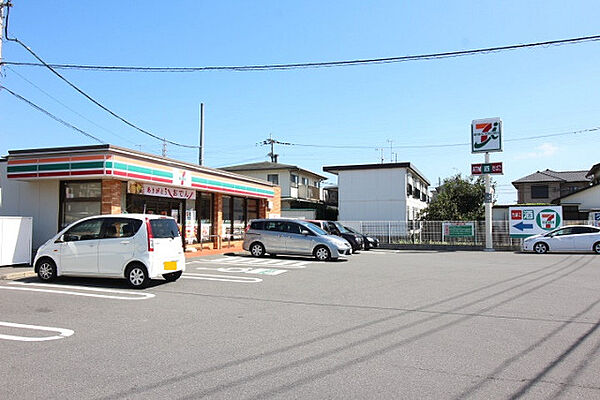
(246, 270)
(221, 278)
(41, 287)
(287, 264)
(62, 333)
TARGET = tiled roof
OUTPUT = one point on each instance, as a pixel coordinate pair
(554, 176)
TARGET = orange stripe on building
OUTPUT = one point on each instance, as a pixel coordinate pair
(87, 158)
(17, 162)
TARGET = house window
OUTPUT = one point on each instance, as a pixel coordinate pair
(305, 181)
(317, 184)
(409, 190)
(539, 191)
(273, 178)
(294, 180)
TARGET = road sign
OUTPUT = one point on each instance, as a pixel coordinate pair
(486, 135)
(489, 168)
(532, 220)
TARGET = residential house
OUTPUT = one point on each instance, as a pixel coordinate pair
(584, 203)
(301, 189)
(546, 186)
(380, 192)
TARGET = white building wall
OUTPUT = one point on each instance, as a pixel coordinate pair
(39, 199)
(284, 178)
(587, 200)
(372, 195)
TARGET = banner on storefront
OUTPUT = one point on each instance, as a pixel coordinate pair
(163, 191)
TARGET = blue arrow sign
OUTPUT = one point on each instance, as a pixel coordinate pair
(521, 226)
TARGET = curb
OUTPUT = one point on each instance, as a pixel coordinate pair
(17, 275)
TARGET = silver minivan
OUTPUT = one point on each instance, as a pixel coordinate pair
(288, 236)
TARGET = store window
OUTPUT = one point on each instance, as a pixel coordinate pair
(204, 207)
(79, 200)
(239, 217)
(227, 218)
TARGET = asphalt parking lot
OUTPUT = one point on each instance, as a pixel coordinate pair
(380, 324)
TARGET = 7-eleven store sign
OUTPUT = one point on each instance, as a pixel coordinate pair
(486, 135)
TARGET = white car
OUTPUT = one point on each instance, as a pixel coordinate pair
(581, 238)
(136, 247)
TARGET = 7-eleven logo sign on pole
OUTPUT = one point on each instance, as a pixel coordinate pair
(486, 135)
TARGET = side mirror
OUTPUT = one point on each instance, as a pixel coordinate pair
(305, 232)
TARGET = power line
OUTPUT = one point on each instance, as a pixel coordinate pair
(69, 108)
(54, 117)
(325, 64)
(429, 146)
(82, 92)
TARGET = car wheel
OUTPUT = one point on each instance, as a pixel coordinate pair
(597, 247)
(137, 276)
(257, 249)
(322, 253)
(540, 248)
(172, 276)
(46, 270)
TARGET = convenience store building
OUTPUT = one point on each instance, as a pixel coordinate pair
(57, 186)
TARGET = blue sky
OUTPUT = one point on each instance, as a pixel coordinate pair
(535, 92)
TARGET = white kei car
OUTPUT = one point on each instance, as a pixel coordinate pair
(579, 238)
(136, 247)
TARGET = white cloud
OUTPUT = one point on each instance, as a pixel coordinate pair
(542, 151)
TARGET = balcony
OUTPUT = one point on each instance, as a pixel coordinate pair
(307, 192)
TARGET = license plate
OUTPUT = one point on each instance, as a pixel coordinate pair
(170, 265)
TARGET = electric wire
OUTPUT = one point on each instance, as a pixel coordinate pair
(97, 103)
(324, 64)
(54, 117)
(69, 108)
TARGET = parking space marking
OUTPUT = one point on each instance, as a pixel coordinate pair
(62, 333)
(247, 261)
(40, 287)
(247, 270)
(221, 278)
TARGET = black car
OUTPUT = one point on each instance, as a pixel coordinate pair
(335, 228)
(369, 242)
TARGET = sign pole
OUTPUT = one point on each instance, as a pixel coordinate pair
(489, 246)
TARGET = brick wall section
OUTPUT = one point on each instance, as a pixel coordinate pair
(111, 196)
(276, 209)
(217, 217)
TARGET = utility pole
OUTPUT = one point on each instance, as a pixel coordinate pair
(164, 148)
(380, 150)
(201, 147)
(390, 141)
(2, 5)
(270, 141)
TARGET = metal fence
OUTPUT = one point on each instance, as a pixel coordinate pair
(438, 232)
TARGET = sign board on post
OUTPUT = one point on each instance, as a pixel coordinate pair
(533, 220)
(594, 218)
(486, 135)
(489, 168)
(457, 229)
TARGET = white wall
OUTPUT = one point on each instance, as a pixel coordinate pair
(372, 195)
(37, 199)
(587, 200)
(284, 178)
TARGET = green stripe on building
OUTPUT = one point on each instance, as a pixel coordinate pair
(143, 170)
(231, 186)
(86, 165)
(22, 168)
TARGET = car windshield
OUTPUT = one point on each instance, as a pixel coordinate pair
(340, 227)
(314, 228)
(352, 230)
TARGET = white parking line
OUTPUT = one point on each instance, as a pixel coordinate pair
(246, 270)
(222, 278)
(62, 333)
(243, 261)
(40, 287)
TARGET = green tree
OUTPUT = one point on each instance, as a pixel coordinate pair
(458, 199)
